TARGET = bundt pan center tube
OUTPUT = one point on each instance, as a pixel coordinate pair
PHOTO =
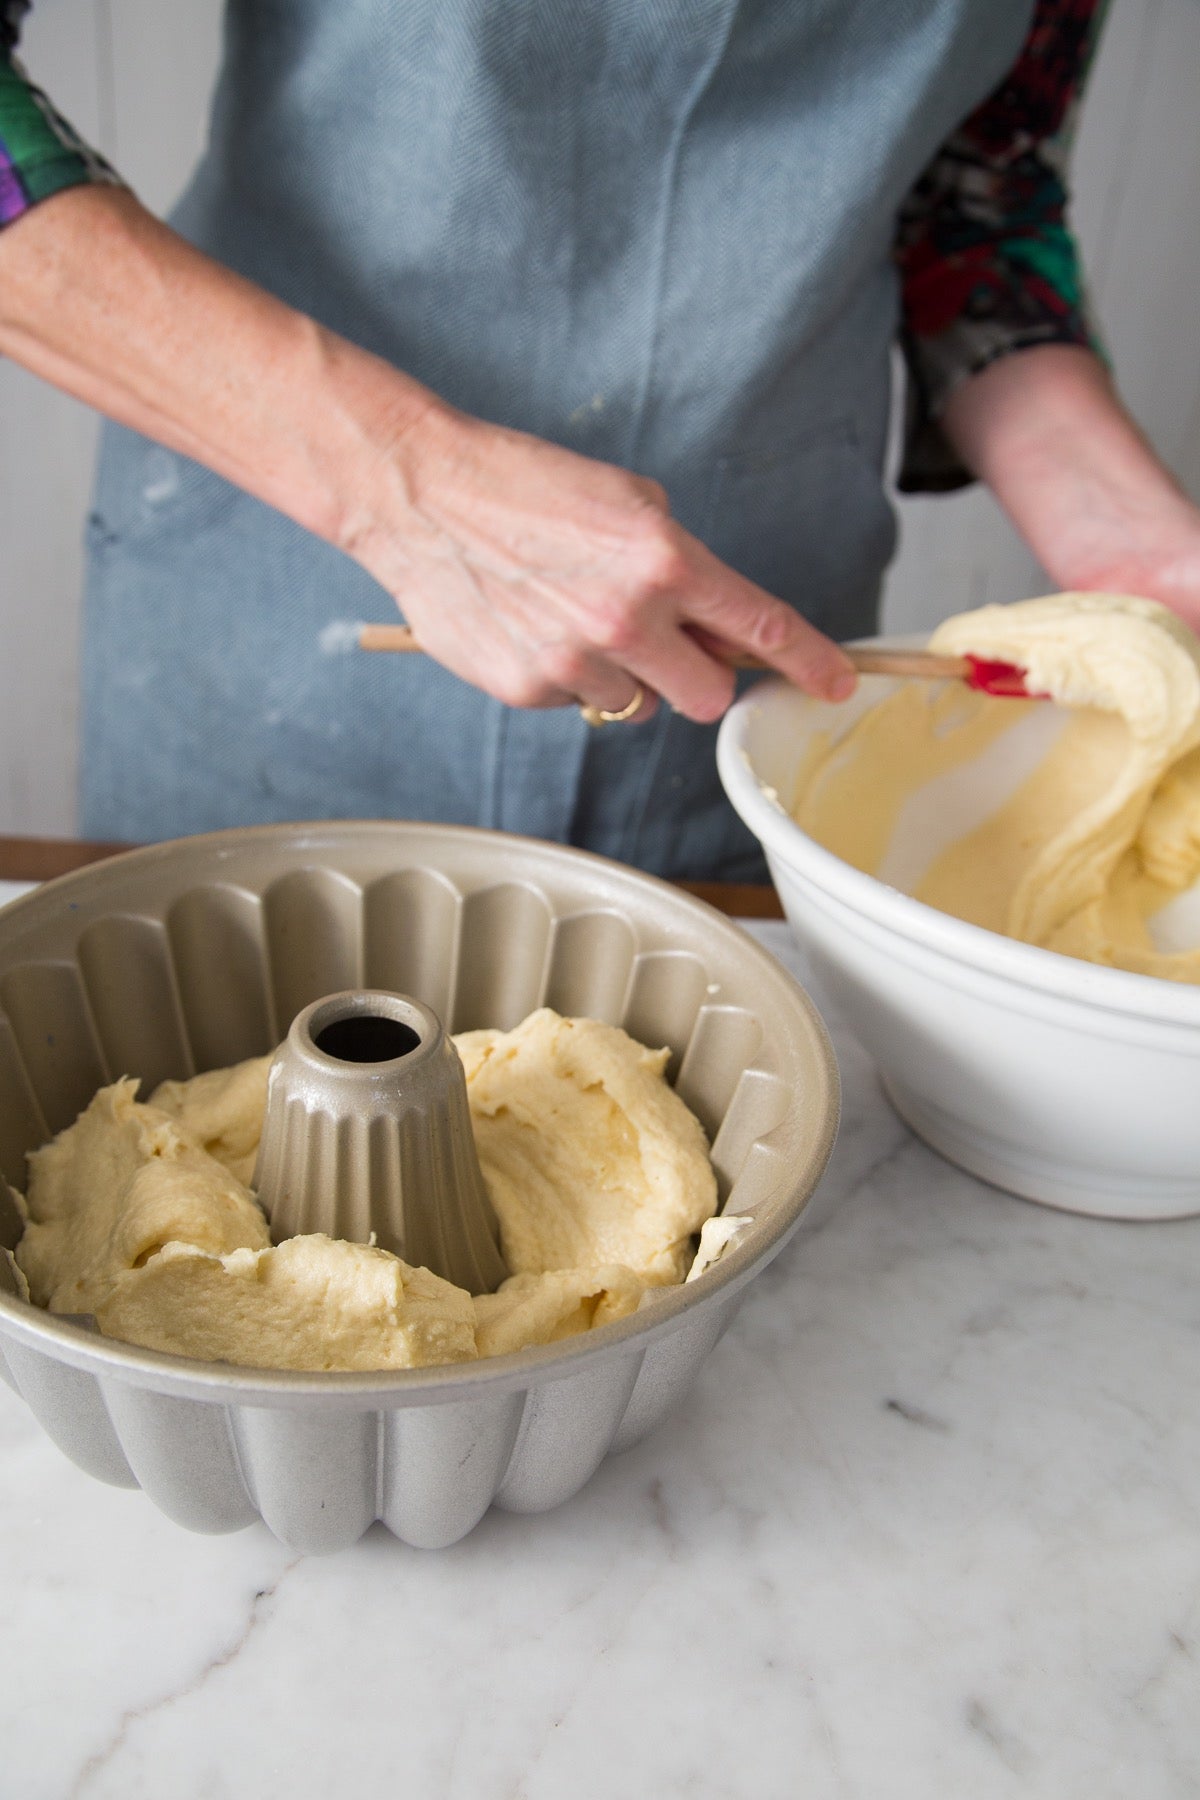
(367, 1136)
(197, 954)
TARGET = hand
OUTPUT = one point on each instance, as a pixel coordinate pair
(1152, 549)
(1047, 430)
(547, 578)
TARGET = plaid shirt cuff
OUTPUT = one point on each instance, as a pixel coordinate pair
(40, 154)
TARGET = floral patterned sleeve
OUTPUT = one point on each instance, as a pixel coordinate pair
(39, 152)
(987, 263)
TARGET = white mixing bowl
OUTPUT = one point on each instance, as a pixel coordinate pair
(1067, 1083)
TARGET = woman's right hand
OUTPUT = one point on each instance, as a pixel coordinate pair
(547, 578)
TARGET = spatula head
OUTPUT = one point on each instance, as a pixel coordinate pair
(1003, 680)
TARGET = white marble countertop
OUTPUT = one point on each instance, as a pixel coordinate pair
(929, 1525)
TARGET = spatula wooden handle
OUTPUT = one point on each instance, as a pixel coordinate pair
(387, 637)
(922, 664)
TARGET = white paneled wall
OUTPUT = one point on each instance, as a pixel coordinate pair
(135, 76)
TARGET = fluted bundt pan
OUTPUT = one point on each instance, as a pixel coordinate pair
(195, 954)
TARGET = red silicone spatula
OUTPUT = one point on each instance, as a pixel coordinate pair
(1004, 680)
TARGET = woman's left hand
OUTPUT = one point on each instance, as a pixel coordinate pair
(1047, 431)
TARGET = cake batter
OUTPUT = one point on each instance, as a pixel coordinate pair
(598, 1173)
(1101, 835)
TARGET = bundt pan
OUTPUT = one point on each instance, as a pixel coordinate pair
(190, 955)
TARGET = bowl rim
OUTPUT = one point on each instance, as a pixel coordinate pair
(1049, 972)
(379, 1389)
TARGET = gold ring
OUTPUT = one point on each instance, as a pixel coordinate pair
(596, 715)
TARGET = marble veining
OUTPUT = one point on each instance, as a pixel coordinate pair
(927, 1526)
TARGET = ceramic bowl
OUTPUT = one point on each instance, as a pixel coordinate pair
(190, 955)
(1059, 1080)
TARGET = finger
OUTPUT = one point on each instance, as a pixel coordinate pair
(692, 681)
(475, 645)
(652, 491)
(599, 686)
(748, 619)
(641, 704)
(529, 676)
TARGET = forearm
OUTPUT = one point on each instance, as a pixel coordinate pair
(542, 576)
(1046, 430)
(100, 298)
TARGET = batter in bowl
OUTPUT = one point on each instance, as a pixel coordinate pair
(1099, 836)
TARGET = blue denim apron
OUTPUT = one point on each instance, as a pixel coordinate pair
(657, 231)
